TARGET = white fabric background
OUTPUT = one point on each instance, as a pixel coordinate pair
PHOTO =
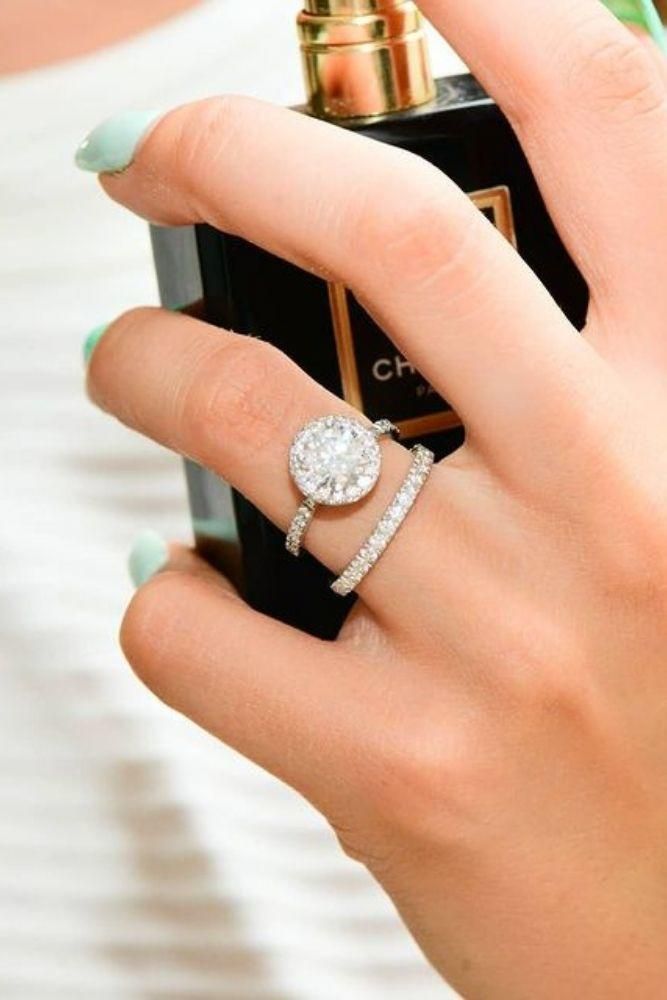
(138, 857)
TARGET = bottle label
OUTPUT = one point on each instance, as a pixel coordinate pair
(376, 378)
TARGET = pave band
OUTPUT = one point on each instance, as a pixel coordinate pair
(389, 523)
(299, 526)
(334, 461)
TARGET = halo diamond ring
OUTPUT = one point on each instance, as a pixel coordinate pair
(333, 460)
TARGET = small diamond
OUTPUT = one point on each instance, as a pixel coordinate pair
(335, 460)
(388, 524)
(386, 427)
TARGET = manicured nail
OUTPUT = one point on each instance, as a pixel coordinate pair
(92, 340)
(112, 144)
(148, 556)
(223, 529)
(642, 13)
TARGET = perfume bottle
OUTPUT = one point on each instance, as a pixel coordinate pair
(366, 67)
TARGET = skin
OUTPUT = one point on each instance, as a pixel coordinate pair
(488, 735)
(39, 32)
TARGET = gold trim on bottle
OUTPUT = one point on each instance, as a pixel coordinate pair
(347, 362)
(363, 58)
(497, 200)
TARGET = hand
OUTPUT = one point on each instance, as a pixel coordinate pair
(489, 733)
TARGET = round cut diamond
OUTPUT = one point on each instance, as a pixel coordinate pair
(335, 460)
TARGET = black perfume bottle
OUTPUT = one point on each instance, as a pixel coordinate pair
(366, 68)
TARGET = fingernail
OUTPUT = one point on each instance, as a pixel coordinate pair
(641, 13)
(112, 144)
(148, 556)
(92, 340)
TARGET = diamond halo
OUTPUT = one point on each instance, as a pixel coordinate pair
(335, 460)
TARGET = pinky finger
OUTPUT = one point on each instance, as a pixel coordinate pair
(295, 705)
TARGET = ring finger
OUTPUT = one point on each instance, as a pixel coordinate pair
(234, 403)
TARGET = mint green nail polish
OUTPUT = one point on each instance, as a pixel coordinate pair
(92, 340)
(642, 13)
(112, 144)
(223, 529)
(148, 556)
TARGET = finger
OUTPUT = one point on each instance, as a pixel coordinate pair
(295, 705)
(233, 404)
(588, 101)
(450, 290)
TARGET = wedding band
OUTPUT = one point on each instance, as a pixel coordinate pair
(389, 523)
(333, 460)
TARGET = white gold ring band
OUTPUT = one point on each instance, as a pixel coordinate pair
(389, 523)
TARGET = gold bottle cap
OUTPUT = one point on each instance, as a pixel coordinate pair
(363, 58)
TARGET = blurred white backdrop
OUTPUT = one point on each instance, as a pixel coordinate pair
(138, 857)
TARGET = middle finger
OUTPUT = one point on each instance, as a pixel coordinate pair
(588, 100)
(446, 286)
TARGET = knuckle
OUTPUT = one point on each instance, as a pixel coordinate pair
(620, 528)
(540, 668)
(416, 239)
(205, 132)
(552, 688)
(435, 788)
(631, 565)
(366, 847)
(240, 396)
(433, 783)
(615, 76)
(420, 786)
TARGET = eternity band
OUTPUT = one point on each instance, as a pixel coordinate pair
(333, 460)
(389, 523)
